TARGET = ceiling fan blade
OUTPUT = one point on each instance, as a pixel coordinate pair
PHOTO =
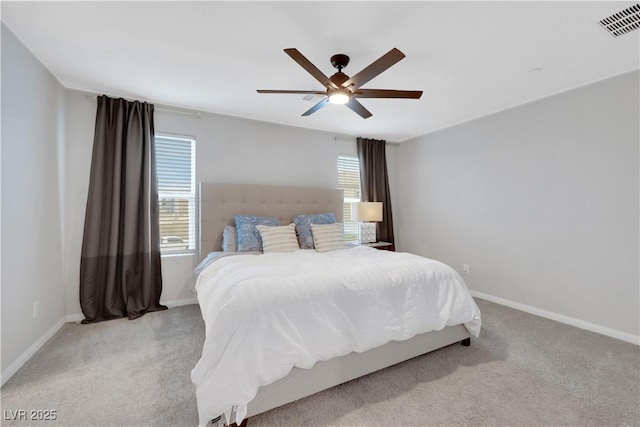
(358, 108)
(385, 61)
(302, 92)
(311, 69)
(316, 107)
(387, 93)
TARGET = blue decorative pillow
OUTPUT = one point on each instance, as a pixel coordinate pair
(303, 227)
(248, 235)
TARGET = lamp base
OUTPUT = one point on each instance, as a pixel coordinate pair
(367, 232)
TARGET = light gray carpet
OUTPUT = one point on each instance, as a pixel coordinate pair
(524, 370)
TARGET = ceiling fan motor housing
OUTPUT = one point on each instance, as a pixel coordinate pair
(339, 61)
(339, 78)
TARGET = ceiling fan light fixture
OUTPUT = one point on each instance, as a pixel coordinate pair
(339, 97)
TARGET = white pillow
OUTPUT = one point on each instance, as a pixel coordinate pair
(278, 238)
(229, 239)
(328, 237)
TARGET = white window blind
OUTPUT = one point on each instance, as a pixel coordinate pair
(349, 181)
(175, 167)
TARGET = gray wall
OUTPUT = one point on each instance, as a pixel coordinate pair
(228, 149)
(32, 143)
(540, 200)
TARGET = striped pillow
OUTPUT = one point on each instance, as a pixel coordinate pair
(278, 238)
(328, 237)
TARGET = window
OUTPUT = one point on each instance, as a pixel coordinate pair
(349, 181)
(175, 166)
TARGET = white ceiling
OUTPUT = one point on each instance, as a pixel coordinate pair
(469, 58)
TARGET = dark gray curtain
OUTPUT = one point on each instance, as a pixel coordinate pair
(120, 272)
(374, 179)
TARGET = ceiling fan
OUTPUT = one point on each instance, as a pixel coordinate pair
(342, 89)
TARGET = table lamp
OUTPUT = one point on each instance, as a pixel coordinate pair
(367, 213)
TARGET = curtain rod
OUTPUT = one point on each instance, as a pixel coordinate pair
(166, 109)
(336, 138)
(199, 115)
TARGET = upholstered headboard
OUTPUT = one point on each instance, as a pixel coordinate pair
(220, 202)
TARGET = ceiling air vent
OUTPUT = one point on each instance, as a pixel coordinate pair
(622, 22)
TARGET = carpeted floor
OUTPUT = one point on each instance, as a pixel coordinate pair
(524, 370)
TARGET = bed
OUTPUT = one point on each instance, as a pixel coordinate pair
(315, 367)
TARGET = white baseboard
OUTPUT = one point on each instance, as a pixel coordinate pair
(582, 324)
(179, 302)
(24, 357)
(78, 317)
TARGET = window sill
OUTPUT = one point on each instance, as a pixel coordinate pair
(178, 254)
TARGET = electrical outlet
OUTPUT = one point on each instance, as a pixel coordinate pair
(36, 309)
(466, 269)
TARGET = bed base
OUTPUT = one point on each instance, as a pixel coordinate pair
(301, 383)
(305, 382)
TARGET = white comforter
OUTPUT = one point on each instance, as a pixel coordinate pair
(266, 314)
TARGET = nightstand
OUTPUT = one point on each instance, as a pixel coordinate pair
(384, 246)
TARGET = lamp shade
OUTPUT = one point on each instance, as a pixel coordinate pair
(366, 211)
